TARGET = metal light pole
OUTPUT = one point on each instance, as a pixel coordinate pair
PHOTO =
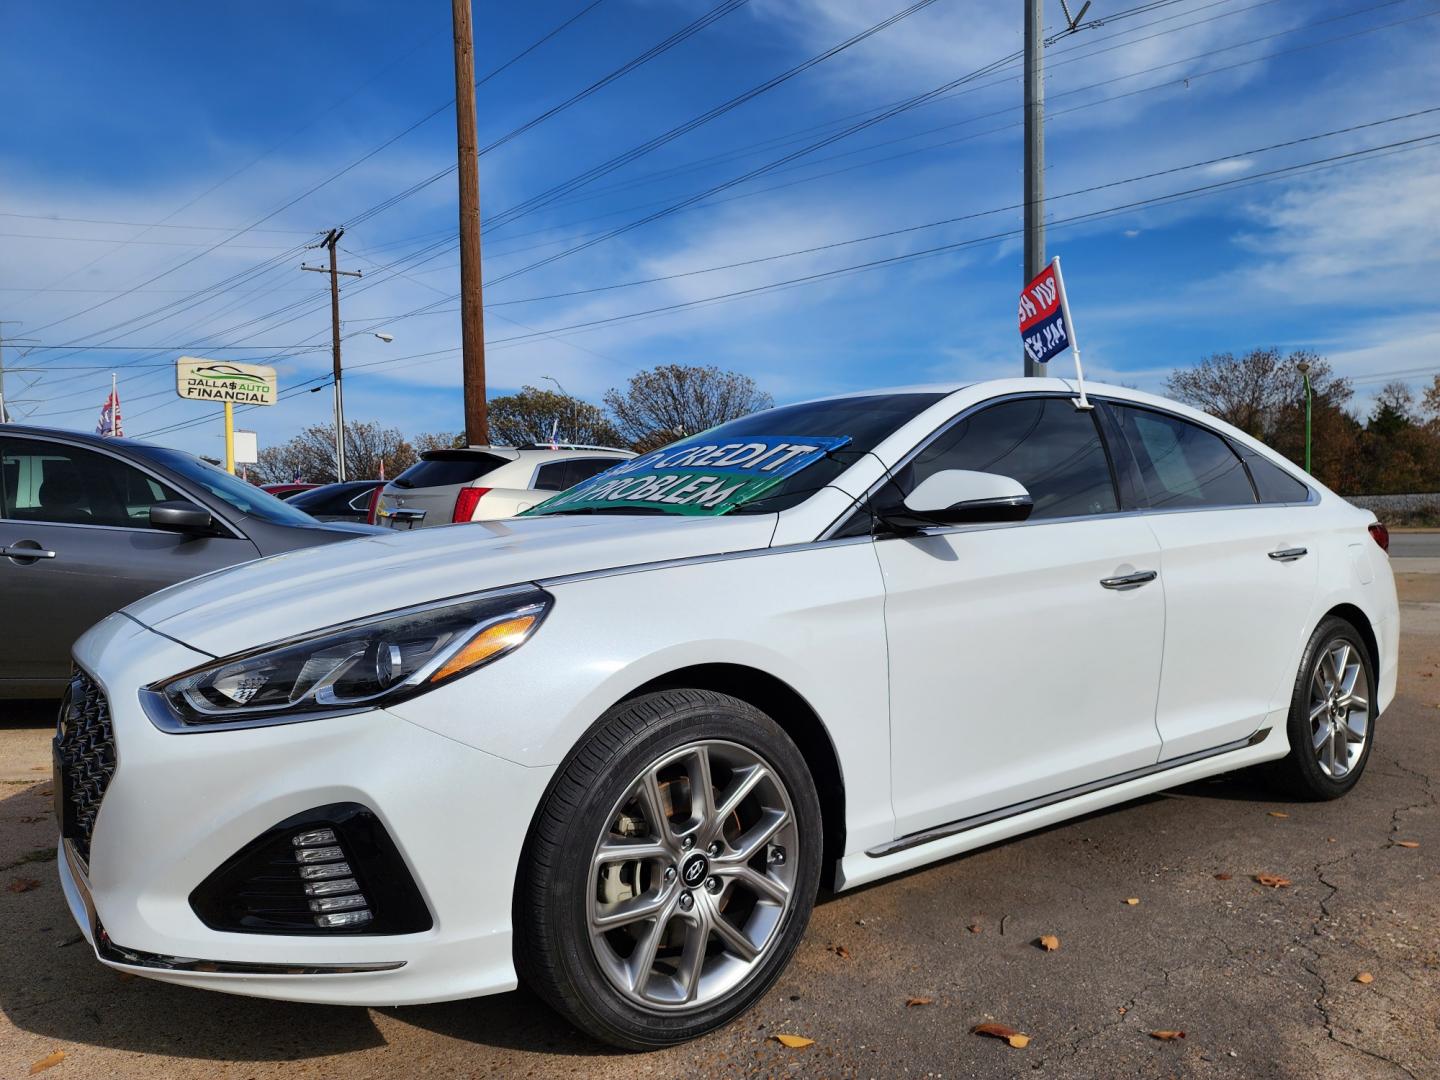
(1305, 374)
(555, 424)
(1034, 150)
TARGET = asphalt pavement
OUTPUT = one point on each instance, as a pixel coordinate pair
(1161, 927)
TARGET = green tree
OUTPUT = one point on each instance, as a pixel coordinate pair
(537, 416)
(674, 400)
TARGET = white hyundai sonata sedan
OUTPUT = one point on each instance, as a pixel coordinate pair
(613, 748)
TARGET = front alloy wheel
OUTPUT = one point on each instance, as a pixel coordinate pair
(670, 869)
(692, 876)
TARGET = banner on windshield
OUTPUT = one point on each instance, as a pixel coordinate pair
(697, 476)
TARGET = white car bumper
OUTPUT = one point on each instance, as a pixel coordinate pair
(176, 810)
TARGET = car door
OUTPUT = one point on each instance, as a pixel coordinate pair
(1015, 671)
(1238, 574)
(84, 514)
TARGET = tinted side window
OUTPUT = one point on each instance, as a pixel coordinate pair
(1182, 464)
(1047, 444)
(67, 485)
(324, 500)
(441, 468)
(551, 477)
(578, 469)
(1273, 483)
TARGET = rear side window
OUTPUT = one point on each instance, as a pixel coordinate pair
(551, 477)
(577, 469)
(1047, 444)
(1272, 483)
(327, 500)
(441, 468)
(1182, 464)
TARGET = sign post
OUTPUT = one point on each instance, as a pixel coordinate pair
(1045, 324)
(228, 383)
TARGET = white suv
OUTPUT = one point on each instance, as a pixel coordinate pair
(481, 483)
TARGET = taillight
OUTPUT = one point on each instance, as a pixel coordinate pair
(466, 501)
(1381, 535)
(374, 505)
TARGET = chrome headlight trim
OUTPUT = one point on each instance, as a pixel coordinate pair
(174, 704)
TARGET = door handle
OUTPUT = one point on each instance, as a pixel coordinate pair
(19, 552)
(1289, 554)
(1129, 581)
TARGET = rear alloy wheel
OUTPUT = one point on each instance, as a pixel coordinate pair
(671, 869)
(1332, 715)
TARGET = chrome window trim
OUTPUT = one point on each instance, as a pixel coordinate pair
(890, 470)
(146, 470)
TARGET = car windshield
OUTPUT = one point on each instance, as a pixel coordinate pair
(762, 463)
(231, 490)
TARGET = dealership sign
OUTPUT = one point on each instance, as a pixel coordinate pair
(698, 476)
(224, 380)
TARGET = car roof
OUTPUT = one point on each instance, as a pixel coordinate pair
(84, 437)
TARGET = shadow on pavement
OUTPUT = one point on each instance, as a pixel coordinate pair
(28, 714)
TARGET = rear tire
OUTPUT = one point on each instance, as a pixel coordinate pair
(1331, 726)
(646, 913)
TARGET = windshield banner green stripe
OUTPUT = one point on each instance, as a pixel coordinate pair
(697, 477)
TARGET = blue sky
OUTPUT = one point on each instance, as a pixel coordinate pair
(140, 141)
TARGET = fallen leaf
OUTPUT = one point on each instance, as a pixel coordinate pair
(1278, 813)
(839, 950)
(1273, 881)
(1407, 843)
(1017, 1039)
(975, 928)
(794, 1042)
(49, 1061)
(1048, 942)
(1167, 1036)
(1222, 877)
(1132, 901)
(910, 1003)
(1123, 1010)
(1365, 978)
(22, 884)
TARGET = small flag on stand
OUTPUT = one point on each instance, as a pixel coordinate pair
(110, 425)
(1045, 324)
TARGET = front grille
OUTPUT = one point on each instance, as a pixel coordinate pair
(84, 759)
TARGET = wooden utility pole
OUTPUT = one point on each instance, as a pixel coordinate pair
(472, 312)
(1034, 151)
(331, 239)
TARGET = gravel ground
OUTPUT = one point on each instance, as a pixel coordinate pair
(1262, 981)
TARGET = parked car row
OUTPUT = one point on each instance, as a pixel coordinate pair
(483, 483)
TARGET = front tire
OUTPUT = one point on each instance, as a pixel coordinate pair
(670, 870)
(1332, 715)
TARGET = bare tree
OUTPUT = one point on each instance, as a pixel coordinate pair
(674, 400)
(1254, 390)
(1430, 401)
(309, 457)
(439, 440)
(535, 416)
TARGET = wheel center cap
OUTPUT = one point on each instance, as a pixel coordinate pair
(694, 870)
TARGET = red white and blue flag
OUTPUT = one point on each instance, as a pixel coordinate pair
(109, 424)
(1045, 316)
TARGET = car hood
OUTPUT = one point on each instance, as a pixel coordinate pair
(299, 591)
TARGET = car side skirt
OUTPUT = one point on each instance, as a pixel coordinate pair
(955, 838)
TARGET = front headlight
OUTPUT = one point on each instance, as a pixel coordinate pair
(355, 666)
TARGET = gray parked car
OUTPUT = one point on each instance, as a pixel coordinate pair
(89, 524)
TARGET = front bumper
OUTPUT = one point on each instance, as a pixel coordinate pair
(180, 805)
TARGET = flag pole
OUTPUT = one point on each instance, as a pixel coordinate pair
(1082, 402)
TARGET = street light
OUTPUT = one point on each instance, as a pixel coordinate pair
(383, 336)
(1304, 368)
